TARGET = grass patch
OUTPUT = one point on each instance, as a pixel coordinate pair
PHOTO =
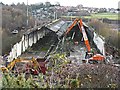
(44, 48)
(71, 16)
(112, 16)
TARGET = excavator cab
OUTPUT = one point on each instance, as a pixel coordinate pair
(88, 55)
(38, 66)
(42, 64)
(97, 58)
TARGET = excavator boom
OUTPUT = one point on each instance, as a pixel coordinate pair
(70, 28)
(36, 64)
(82, 30)
(84, 35)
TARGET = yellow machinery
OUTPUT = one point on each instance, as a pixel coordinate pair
(35, 63)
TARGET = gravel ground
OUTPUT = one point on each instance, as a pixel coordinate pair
(78, 55)
(33, 54)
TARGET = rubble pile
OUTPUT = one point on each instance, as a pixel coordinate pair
(91, 76)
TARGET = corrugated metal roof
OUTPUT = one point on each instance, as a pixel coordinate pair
(57, 26)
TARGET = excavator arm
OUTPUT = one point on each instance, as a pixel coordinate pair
(71, 26)
(84, 35)
(82, 30)
(37, 64)
(10, 65)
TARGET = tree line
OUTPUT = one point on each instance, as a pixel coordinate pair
(14, 17)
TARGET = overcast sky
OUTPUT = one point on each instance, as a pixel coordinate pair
(86, 3)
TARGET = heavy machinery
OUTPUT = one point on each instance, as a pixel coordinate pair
(38, 65)
(33, 66)
(90, 57)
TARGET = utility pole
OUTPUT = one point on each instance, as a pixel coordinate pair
(27, 13)
(35, 18)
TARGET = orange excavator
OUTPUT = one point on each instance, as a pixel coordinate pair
(91, 58)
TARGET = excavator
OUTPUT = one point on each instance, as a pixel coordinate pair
(39, 63)
(90, 57)
(33, 66)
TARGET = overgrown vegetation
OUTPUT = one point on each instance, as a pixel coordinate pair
(64, 74)
(14, 17)
(8, 41)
